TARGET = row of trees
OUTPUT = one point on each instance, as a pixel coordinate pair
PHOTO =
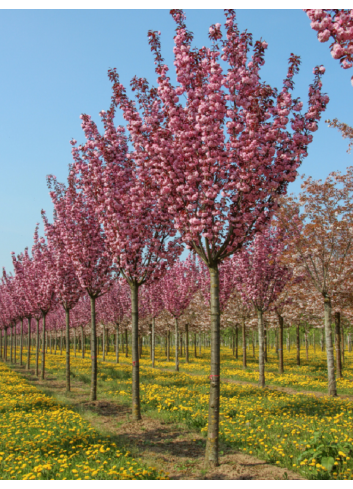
(207, 173)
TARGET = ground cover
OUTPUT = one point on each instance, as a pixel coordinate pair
(304, 433)
(41, 439)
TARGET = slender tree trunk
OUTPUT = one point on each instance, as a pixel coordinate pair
(349, 342)
(61, 342)
(200, 338)
(244, 342)
(67, 318)
(126, 344)
(93, 350)
(298, 344)
(14, 345)
(280, 349)
(168, 346)
(265, 341)
(253, 344)
(338, 344)
(103, 346)
(74, 329)
(306, 345)
(28, 366)
(187, 343)
(5, 344)
(195, 346)
(140, 347)
(176, 345)
(332, 390)
(153, 344)
(322, 340)
(11, 345)
(136, 413)
(37, 348)
(213, 410)
(236, 342)
(342, 346)
(82, 343)
(21, 342)
(260, 324)
(43, 345)
(56, 341)
(117, 343)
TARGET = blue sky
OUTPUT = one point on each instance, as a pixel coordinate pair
(54, 67)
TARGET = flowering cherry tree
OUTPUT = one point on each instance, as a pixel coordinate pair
(218, 161)
(85, 243)
(337, 25)
(177, 289)
(66, 283)
(260, 277)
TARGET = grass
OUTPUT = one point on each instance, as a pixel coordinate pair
(304, 433)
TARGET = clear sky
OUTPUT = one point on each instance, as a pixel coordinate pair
(54, 67)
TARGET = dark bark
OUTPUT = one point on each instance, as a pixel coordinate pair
(126, 344)
(136, 413)
(214, 401)
(168, 346)
(28, 365)
(103, 346)
(195, 346)
(236, 341)
(187, 343)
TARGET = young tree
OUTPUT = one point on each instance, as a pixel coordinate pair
(260, 277)
(85, 243)
(319, 223)
(66, 283)
(219, 161)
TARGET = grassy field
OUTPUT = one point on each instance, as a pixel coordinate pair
(304, 433)
(41, 439)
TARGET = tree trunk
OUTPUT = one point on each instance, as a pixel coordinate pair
(265, 340)
(74, 329)
(117, 343)
(55, 344)
(253, 344)
(43, 345)
(342, 346)
(82, 343)
(61, 342)
(11, 345)
(260, 325)
(21, 341)
(338, 344)
(187, 343)
(168, 346)
(195, 346)
(236, 342)
(136, 413)
(298, 344)
(332, 390)
(176, 345)
(67, 319)
(306, 345)
(14, 344)
(93, 350)
(213, 410)
(280, 348)
(103, 346)
(37, 348)
(153, 344)
(126, 344)
(244, 342)
(5, 344)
